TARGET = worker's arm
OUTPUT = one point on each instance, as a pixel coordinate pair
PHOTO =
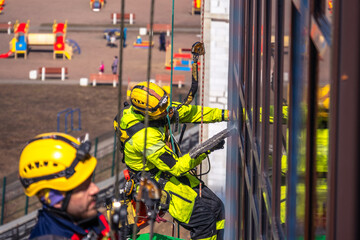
(192, 114)
(159, 155)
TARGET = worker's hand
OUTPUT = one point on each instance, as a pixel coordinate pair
(231, 115)
(218, 146)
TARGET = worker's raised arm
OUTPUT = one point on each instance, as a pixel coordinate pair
(192, 114)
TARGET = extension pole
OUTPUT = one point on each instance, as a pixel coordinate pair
(3, 201)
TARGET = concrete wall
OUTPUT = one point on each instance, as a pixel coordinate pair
(216, 39)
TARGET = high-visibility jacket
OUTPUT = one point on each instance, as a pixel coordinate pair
(162, 157)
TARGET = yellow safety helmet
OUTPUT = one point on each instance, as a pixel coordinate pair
(56, 161)
(324, 96)
(324, 101)
(158, 98)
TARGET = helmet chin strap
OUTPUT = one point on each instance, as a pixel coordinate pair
(65, 202)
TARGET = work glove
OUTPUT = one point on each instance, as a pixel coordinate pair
(214, 143)
(218, 146)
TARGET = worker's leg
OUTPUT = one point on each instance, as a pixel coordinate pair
(207, 218)
(217, 207)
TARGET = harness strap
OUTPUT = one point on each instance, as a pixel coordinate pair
(163, 178)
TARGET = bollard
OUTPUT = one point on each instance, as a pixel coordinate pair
(114, 18)
(9, 28)
(131, 19)
(43, 74)
(62, 74)
(114, 81)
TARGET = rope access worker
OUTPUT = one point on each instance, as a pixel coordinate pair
(203, 216)
(58, 170)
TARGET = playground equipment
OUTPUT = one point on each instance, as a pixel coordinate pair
(75, 47)
(182, 59)
(142, 44)
(67, 112)
(2, 4)
(109, 35)
(21, 32)
(57, 39)
(196, 7)
(11, 51)
(59, 30)
(114, 31)
(97, 5)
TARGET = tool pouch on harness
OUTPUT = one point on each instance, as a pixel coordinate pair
(144, 195)
(182, 199)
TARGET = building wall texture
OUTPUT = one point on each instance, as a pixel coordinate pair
(216, 39)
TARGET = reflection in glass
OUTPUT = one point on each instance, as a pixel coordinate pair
(322, 144)
(329, 9)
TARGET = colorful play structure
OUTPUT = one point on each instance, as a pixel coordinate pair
(196, 7)
(22, 40)
(139, 43)
(182, 59)
(21, 32)
(97, 5)
(2, 4)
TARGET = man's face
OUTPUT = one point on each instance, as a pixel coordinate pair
(160, 116)
(163, 114)
(82, 203)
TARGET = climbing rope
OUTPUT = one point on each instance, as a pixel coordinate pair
(148, 80)
(202, 88)
(171, 71)
(118, 134)
(146, 123)
(117, 163)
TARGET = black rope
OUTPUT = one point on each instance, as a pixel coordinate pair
(146, 122)
(117, 162)
(118, 134)
(148, 79)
